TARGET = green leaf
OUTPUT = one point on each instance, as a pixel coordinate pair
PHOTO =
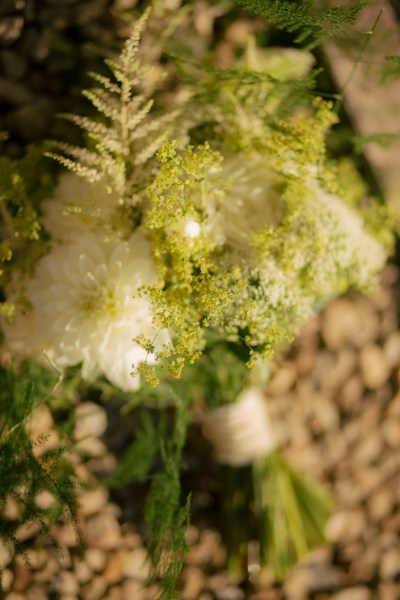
(391, 70)
(296, 16)
(139, 457)
(24, 473)
(292, 512)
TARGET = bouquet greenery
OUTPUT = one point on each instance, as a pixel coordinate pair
(198, 227)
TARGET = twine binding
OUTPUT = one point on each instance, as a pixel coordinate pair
(240, 432)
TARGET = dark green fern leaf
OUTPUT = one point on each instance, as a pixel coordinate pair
(166, 518)
(25, 472)
(297, 17)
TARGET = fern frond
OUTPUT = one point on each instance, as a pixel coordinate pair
(294, 16)
(24, 473)
(166, 518)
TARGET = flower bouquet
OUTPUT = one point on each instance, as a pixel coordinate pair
(197, 229)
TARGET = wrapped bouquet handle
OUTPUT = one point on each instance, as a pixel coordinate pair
(289, 510)
(240, 432)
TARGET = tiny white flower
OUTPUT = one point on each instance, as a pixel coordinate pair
(351, 248)
(192, 229)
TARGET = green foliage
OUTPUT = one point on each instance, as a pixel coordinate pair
(140, 455)
(227, 89)
(124, 135)
(359, 141)
(298, 17)
(24, 183)
(219, 375)
(292, 512)
(384, 140)
(27, 470)
(391, 70)
(166, 517)
(167, 522)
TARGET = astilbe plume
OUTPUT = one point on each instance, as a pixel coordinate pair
(128, 134)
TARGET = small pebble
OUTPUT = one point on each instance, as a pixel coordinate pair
(93, 501)
(22, 577)
(389, 591)
(133, 590)
(36, 592)
(391, 432)
(194, 580)
(136, 564)
(5, 554)
(67, 583)
(355, 593)
(10, 29)
(103, 531)
(114, 571)
(230, 593)
(95, 558)
(91, 420)
(90, 447)
(374, 368)
(82, 571)
(390, 565)
(346, 525)
(391, 349)
(8, 578)
(95, 589)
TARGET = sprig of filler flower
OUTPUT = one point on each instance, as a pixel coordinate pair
(250, 243)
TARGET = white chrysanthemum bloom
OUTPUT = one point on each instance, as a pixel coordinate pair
(251, 202)
(85, 302)
(77, 205)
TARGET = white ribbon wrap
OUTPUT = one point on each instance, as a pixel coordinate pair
(240, 432)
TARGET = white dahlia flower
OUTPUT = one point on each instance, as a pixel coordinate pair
(78, 205)
(85, 303)
(251, 201)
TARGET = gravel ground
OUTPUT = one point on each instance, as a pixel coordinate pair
(335, 401)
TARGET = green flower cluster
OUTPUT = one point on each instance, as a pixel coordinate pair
(255, 281)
